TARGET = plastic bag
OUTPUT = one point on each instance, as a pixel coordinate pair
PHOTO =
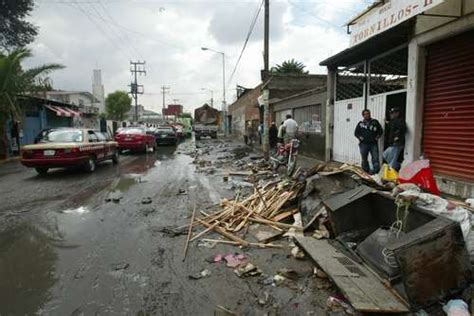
(389, 174)
(456, 308)
(420, 173)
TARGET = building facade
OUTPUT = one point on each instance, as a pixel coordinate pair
(415, 55)
(244, 111)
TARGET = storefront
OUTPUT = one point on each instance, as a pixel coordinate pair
(421, 61)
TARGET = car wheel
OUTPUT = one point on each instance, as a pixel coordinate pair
(42, 171)
(90, 164)
(115, 157)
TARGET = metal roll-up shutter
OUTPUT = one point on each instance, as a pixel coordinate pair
(448, 127)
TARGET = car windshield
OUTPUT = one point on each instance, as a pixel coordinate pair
(62, 136)
(135, 130)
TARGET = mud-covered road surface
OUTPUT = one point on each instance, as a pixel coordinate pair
(73, 243)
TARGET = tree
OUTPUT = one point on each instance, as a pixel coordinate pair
(15, 82)
(15, 31)
(117, 104)
(290, 67)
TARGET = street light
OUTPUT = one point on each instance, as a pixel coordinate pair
(212, 95)
(224, 107)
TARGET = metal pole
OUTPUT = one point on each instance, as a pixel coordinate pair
(212, 98)
(266, 38)
(136, 94)
(266, 92)
(224, 109)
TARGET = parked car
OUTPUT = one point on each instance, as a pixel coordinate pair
(135, 139)
(166, 135)
(69, 147)
(179, 131)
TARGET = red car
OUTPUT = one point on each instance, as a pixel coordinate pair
(135, 139)
(69, 147)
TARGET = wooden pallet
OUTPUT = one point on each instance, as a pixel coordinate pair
(360, 286)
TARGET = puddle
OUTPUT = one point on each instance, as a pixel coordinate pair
(79, 210)
(27, 270)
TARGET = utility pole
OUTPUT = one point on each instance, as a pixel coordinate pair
(265, 75)
(164, 91)
(136, 67)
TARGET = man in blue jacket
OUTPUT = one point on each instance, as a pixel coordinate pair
(368, 131)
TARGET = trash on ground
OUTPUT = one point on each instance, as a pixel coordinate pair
(337, 303)
(147, 200)
(121, 266)
(456, 308)
(204, 273)
(247, 269)
(234, 260)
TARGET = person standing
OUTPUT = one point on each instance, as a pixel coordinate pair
(291, 127)
(273, 135)
(396, 129)
(281, 132)
(368, 131)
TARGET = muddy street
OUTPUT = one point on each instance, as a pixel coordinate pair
(112, 242)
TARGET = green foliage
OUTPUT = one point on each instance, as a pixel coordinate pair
(15, 31)
(117, 104)
(290, 67)
(15, 81)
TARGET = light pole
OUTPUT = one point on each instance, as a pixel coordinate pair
(212, 95)
(224, 106)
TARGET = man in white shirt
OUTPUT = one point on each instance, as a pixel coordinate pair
(291, 127)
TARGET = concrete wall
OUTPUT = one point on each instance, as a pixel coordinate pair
(244, 109)
(312, 144)
(426, 23)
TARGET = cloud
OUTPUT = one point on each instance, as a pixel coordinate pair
(169, 35)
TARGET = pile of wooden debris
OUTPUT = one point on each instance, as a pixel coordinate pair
(270, 204)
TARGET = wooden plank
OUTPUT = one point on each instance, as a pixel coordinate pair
(362, 288)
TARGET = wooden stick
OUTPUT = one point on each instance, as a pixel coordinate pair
(224, 233)
(269, 222)
(190, 231)
(251, 244)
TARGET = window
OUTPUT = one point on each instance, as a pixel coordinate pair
(62, 136)
(309, 118)
(101, 137)
(92, 137)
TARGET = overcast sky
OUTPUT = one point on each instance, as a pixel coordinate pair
(168, 35)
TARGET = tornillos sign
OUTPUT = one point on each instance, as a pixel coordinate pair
(382, 18)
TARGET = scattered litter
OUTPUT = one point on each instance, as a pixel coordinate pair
(171, 231)
(182, 192)
(265, 300)
(233, 260)
(338, 303)
(470, 202)
(288, 274)
(147, 200)
(204, 273)
(456, 308)
(206, 244)
(247, 269)
(121, 266)
(79, 210)
(321, 234)
(278, 279)
(320, 273)
(297, 253)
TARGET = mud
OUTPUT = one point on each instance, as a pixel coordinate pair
(70, 246)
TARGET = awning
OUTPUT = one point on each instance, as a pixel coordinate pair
(374, 46)
(62, 111)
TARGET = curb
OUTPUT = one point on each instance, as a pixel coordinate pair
(4, 161)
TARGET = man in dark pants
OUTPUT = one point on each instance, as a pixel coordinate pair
(368, 131)
(273, 135)
(396, 129)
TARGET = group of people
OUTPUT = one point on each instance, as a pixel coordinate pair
(369, 131)
(282, 134)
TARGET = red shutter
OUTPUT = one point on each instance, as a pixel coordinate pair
(448, 127)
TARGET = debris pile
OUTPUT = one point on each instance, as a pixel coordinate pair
(270, 204)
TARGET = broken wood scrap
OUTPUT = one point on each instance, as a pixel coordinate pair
(284, 215)
(224, 233)
(250, 244)
(190, 231)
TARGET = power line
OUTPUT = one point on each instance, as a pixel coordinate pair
(135, 88)
(314, 16)
(89, 17)
(249, 33)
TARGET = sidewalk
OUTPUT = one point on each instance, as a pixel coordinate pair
(11, 159)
